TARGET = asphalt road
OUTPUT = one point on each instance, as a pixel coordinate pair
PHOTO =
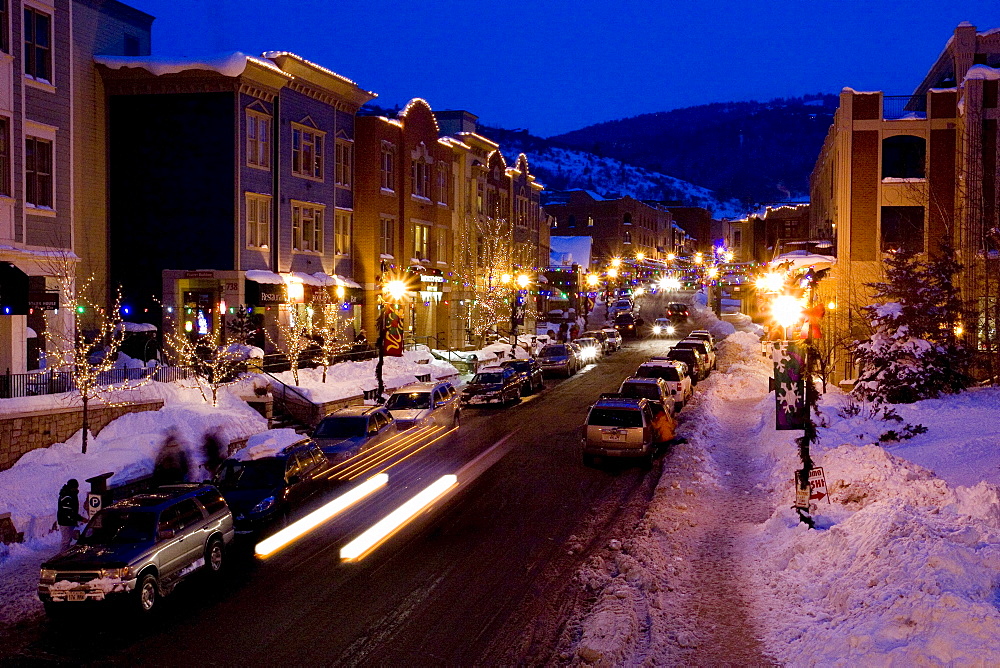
(455, 586)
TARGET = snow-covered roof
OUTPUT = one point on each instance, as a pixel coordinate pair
(318, 279)
(231, 64)
(800, 259)
(983, 72)
(271, 55)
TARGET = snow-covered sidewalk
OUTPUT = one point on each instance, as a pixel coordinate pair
(903, 569)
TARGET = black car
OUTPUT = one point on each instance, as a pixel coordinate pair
(350, 430)
(493, 384)
(628, 325)
(264, 485)
(532, 377)
(695, 360)
(678, 313)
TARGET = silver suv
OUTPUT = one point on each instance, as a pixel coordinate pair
(418, 404)
(619, 429)
(140, 548)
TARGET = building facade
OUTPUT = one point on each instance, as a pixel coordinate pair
(231, 186)
(52, 147)
(916, 171)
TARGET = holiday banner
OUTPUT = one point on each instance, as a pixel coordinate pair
(789, 385)
(392, 345)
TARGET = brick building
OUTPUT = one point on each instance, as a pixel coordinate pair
(913, 171)
(242, 164)
(769, 232)
(52, 169)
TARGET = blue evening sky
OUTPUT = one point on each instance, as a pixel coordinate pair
(556, 65)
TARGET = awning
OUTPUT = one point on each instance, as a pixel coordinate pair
(30, 333)
(265, 277)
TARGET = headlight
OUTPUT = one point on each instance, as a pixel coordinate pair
(263, 506)
(657, 329)
(119, 573)
(670, 329)
(47, 575)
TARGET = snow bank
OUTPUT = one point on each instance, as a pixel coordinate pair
(268, 443)
(127, 446)
(350, 379)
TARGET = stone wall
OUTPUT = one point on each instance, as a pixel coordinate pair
(24, 432)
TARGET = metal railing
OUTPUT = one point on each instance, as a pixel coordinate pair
(903, 107)
(277, 362)
(51, 381)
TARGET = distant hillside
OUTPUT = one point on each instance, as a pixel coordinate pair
(751, 151)
(561, 168)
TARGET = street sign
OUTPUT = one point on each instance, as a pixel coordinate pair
(94, 503)
(817, 488)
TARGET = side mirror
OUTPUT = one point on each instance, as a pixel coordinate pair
(439, 404)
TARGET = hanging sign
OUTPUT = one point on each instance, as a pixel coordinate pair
(392, 345)
(790, 390)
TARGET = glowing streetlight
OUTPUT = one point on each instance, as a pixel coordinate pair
(786, 310)
(640, 291)
(671, 257)
(592, 280)
(505, 278)
(616, 262)
(640, 256)
(831, 306)
(959, 330)
(770, 282)
(729, 255)
(698, 258)
(396, 289)
(713, 272)
(523, 281)
(613, 272)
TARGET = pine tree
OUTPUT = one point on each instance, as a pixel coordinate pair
(914, 351)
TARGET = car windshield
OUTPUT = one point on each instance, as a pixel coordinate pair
(342, 427)
(553, 351)
(668, 373)
(494, 378)
(521, 365)
(615, 417)
(693, 345)
(624, 319)
(405, 401)
(253, 474)
(640, 391)
(119, 527)
(661, 321)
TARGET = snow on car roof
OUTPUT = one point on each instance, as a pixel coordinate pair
(269, 443)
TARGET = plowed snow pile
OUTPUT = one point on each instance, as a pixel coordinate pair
(902, 569)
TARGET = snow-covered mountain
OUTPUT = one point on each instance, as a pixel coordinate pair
(561, 168)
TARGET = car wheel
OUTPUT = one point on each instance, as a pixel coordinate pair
(647, 460)
(589, 460)
(147, 594)
(214, 556)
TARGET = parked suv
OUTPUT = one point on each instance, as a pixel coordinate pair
(614, 338)
(702, 334)
(558, 357)
(353, 429)
(697, 366)
(493, 384)
(602, 338)
(531, 374)
(619, 428)
(140, 548)
(703, 347)
(627, 325)
(425, 403)
(674, 374)
(264, 484)
(678, 313)
(657, 391)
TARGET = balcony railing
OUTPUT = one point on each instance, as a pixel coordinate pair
(903, 107)
(53, 382)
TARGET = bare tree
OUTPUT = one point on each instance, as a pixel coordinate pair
(214, 363)
(292, 341)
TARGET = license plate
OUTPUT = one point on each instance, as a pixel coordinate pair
(76, 596)
(614, 437)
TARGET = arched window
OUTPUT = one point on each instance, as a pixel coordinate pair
(627, 237)
(903, 157)
(627, 219)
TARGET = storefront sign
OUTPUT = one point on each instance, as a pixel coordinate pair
(199, 274)
(790, 390)
(266, 294)
(45, 301)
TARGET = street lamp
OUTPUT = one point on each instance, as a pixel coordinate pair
(522, 282)
(786, 310)
(616, 262)
(671, 257)
(640, 256)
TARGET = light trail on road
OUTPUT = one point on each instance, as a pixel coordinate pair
(366, 461)
(299, 528)
(384, 528)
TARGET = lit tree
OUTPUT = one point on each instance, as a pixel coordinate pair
(87, 356)
(329, 329)
(293, 341)
(485, 258)
(214, 363)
